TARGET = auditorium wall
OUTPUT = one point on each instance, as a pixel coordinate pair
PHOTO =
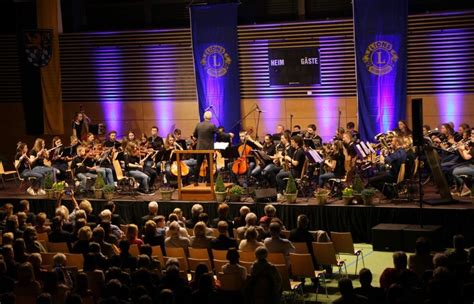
(134, 80)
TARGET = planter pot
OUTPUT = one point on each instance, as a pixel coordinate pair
(358, 198)
(220, 196)
(291, 197)
(49, 193)
(166, 195)
(56, 194)
(368, 200)
(98, 193)
(108, 196)
(347, 200)
(235, 197)
(321, 199)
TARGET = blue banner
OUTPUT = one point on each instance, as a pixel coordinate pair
(216, 62)
(381, 58)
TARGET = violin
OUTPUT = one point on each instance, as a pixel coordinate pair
(240, 165)
(174, 165)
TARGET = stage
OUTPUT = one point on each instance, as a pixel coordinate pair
(335, 216)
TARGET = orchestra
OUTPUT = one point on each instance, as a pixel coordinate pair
(250, 162)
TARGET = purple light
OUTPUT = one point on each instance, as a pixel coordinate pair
(326, 117)
(450, 107)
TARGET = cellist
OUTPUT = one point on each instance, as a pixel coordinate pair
(244, 164)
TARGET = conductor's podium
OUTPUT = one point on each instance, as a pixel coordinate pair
(200, 192)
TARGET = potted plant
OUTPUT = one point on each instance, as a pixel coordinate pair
(357, 187)
(48, 185)
(58, 188)
(98, 186)
(368, 196)
(322, 196)
(347, 195)
(291, 192)
(219, 189)
(108, 191)
(166, 193)
(236, 193)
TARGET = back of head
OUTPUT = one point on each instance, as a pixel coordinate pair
(345, 287)
(174, 228)
(222, 227)
(261, 253)
(251, 234)
(233, 256)
(422, 246)
(459, 242)
(223, 209)
(440, 260)
(153, 207)
(251, 218)
(200, 229)
(400, 260)
(269, 210)
(275, 229)
(302, 221)
(365, 277)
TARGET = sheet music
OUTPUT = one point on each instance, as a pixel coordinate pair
(360, 151)
(315, 157)
(220, 145)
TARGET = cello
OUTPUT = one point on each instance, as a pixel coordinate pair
(174, 164)
(240, 165)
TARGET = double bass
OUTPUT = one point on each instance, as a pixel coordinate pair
(174, 165)
(241, 165)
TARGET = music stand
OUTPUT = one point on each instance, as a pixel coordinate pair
(309, 143)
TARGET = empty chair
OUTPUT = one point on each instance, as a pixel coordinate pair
(326, 255)
(134, 251)
(219, 254)
(247, 265)
(276, 258)
(57, 247)
(286, 283)
(218, 265)
(302, 266)
(193, 263)
(75, 259)
(198, 253)
(230, 281)
(47, 258)
(247, 256)
(42, 236)
(343, 244)
(301, 247)
(156, 252)
(175, 252)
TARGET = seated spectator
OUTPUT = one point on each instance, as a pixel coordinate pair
(12, 226)
(152, 212)
(301, 233)
(84, 238)
(250, 243)
(59, 266)
(132, 235)
(116, 218)
(106, 216)
(175, 240)
(181, 218)
(223, 212)
(21, 220)
(58, 234)
(182, 231)
(155, 264)
(373, 294)
(24, 206)
(201, 270)
(100, 260)
(98, 236)
(240, 220)
(398, 273)
(41, 226)
(250, 221)
(347, 293)
(275, 243)
(457, 259)
(223, 241)
(8, 238)
(32, 245)
(204, 217)
(160, 221)
(151, 236)
(264, 285)
(6, 211)
(109, 237)
(82, 288)
(174, 282)
(78, 224)
(422, 260)
(6, 283)
(112, 292)
(206, 293)
(144, 276)
(233, 266)
(63, 214)
(270, 214)
(124, 260)
(196, 210)
(54, 287)
(26, 284)
(19, 250)
(36, 261)
(9, 259)
(200, 240)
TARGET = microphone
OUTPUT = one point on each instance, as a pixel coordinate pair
(258, 109)
(208, 108)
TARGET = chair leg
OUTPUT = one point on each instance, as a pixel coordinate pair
(3, 181)
(362, 256)
(357, 262)
(323, 277)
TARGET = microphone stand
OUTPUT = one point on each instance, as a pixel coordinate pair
(255, 108)
(291, 122)
(258, 121)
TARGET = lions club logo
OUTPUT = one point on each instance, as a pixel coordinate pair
(380, 57)
(216, 61)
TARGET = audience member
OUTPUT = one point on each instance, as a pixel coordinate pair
(175, 240)
(374, 295)
(348, 296)
(240, 220)
(398, 273)
(233, 266)
(250, 221)
(276, 244)
(196, 210)
(152, 212)
(223, 241)
(250, 243)
(422, 260)
(200, 240)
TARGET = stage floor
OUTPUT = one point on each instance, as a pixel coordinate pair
(456, 218)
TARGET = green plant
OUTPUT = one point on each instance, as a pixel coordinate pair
(347, 192)
(368, 193)
(220, 187)
(99, 182)
(59, 186)
(48, 181)
(291, 185)
(322, 191)
(236, 190)
(108, 189)
(358, 185)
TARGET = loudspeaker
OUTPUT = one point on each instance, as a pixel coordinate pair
(432, 233)
(265, 195)
(387, 237)
(417, 121)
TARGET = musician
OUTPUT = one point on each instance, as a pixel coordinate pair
(39, 159)
(279, 132)
(156, 142)
(246, 144)
(403, 129)
(131, 138)
(80, 124)
(463, 128)
(394, 161)
(112, 141)
(23, 166)
(57, 159)
(466, 150)
(269, 148)
(426, 130)
(204, 133)
(333, 165)
(134, 165)
(296, 162)
(296, 130)
(282, 149)
(90, 140)
(83, 167)
(222, 136)
(103, 163)
(350, 128)
(171, 145)
(311, 134)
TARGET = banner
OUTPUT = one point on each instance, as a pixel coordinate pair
(216, 62)
(381, 61)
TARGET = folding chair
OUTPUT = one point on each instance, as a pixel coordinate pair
(343, 244)
(285, 233)
(218, 264)
(175, 252)
(219, 254)
(193, 263)
(302, 266)
(198, 253)
(4, 174)
(396, 186)
(134, 251)
(47, 258)
(57, 247)
(125, 183)
(301, 247)
(190, 231)
(247, 256)
(42, 236)
(325, 254)
(289, 285)
(156, 252)
(276, 258)
(230, 281)
(75, 259)
(247, 265)
(23, 182)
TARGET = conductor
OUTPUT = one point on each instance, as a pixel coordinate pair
(204, 132)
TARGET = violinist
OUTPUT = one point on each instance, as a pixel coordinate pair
(295, 161)
(311, 134)
(134, 165)
(350, 128)
(296, 130)
(90, 140)
(112, 141)
(466, 150)
(103, 163)
(83, 167)
(283, 148)
(204, 133)
(39, 158)
(57, 159)
(23, 165)
(403, 129)
(131, 138)
(333, 165)
(155, 140)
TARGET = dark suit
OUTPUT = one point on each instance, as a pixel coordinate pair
(223, 242)
(204, 132)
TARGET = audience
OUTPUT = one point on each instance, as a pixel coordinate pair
(200, 239)
(223, 241)
(276, 244)
(348, 296)
(233, 266)
(422, 260)
(399, 274)
(175, 240)
(374, 295)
